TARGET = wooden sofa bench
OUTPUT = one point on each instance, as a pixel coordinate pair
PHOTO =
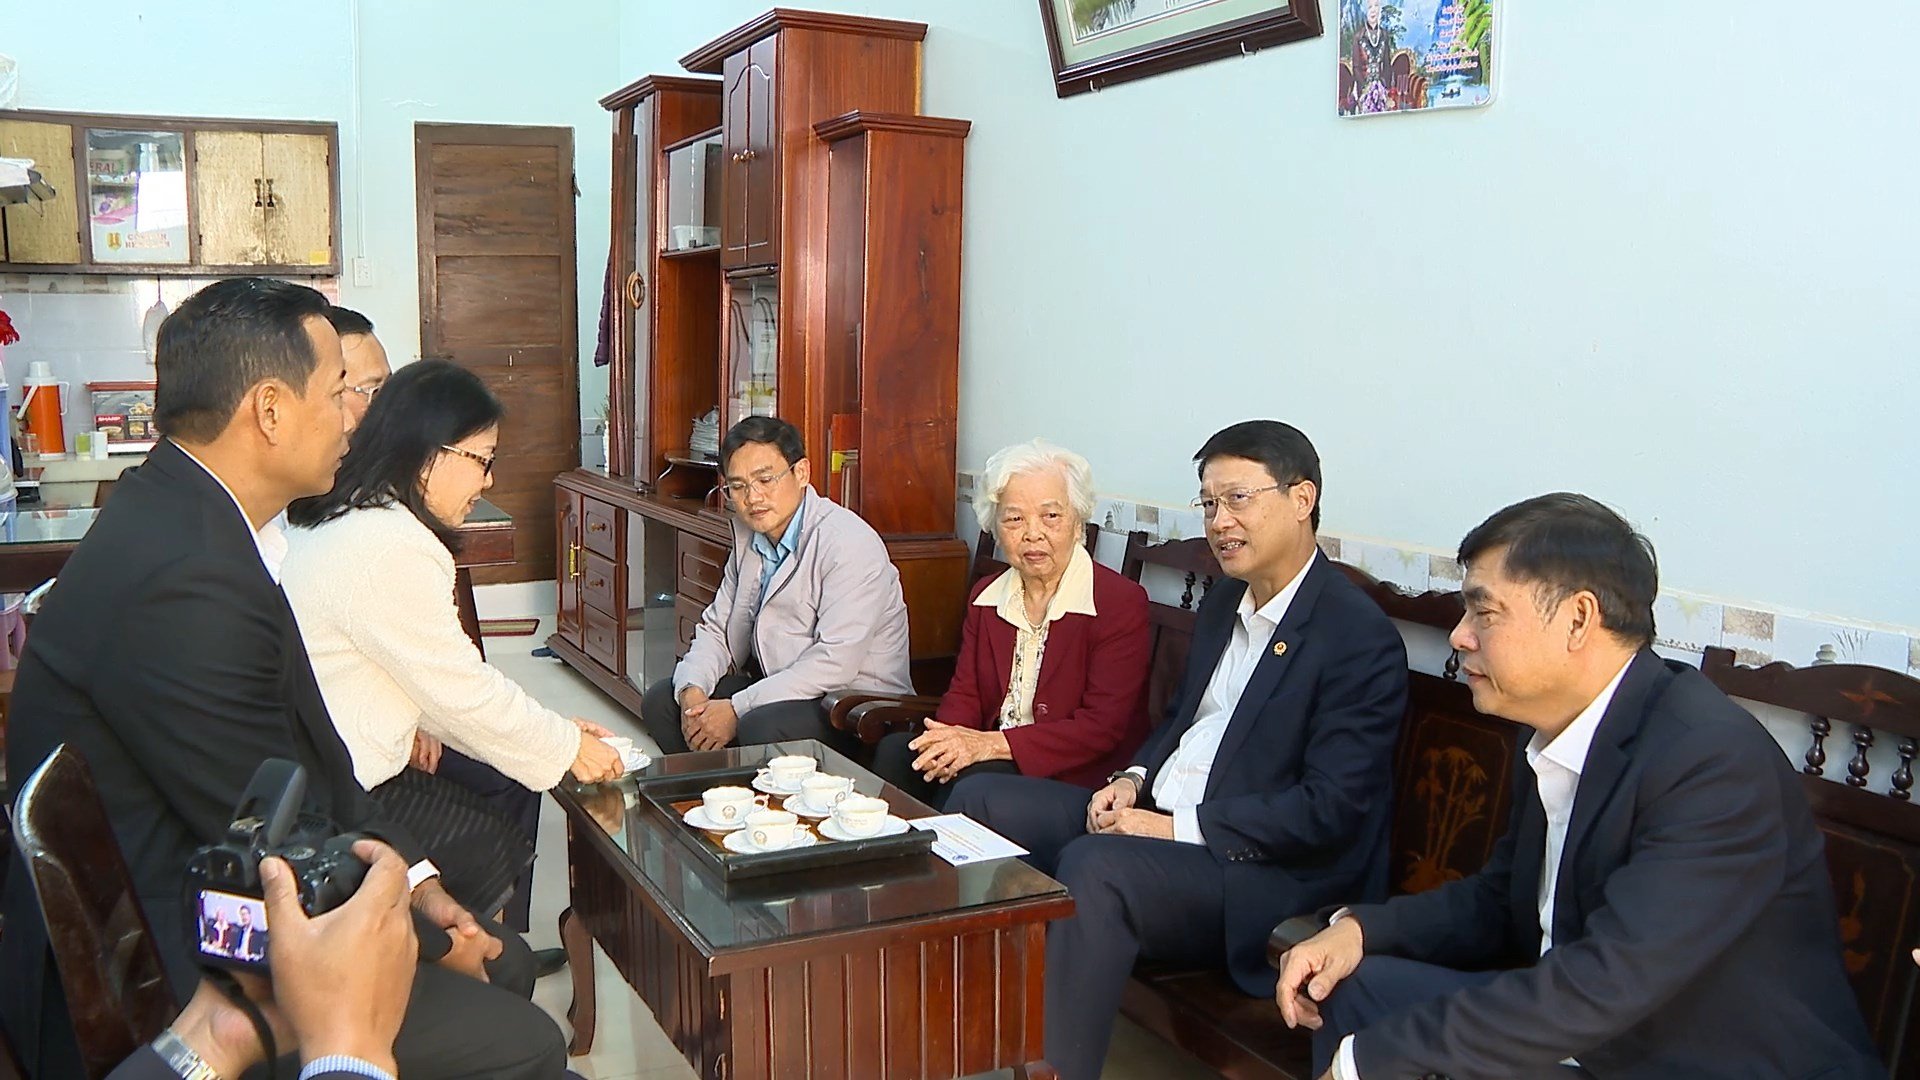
(1453, 794)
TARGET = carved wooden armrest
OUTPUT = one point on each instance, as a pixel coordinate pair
(1291, 933)
(839, 703)
(875, 720)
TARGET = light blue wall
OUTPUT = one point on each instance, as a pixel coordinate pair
(422, 60)
(1673, 266)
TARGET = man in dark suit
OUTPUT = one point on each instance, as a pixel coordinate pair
(1263, 795)
(1659, 906)
(168, 657)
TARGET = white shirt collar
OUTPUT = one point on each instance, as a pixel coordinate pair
(1073, 597)
(1569, 748)
(1275, 609)
(270, 539)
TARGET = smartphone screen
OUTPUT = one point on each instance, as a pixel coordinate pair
(232, 928)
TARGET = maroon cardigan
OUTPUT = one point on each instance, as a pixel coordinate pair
(1090, 704)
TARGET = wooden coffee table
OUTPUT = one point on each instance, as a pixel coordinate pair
(894, 968)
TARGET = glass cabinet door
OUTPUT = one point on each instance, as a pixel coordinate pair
(693, 196)
(640, 294)
(137, 196)
(753, 346)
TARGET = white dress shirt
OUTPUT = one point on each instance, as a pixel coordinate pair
(1182, 782)
(1557, 765)
(270, 539)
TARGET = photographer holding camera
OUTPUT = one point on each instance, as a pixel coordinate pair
(167, 656)
(338, 991)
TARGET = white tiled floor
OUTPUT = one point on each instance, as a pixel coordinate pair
(628, 1044)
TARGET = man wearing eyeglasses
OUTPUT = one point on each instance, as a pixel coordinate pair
(1263, 794)
(809, 603)
(367, 367)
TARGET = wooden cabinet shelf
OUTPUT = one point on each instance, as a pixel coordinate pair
(171, 195)
(831, 299)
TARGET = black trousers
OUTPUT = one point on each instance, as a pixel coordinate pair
(513, 802)
(1384, 985)
(1134, 898)
(893, 762)
(779, 721)
(461, 1027)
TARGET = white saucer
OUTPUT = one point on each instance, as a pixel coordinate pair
(892, 826)
(699, 819)
(635, 760)
(797, 804)
(738, 843)
(763, 781)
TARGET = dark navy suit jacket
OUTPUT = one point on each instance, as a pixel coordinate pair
(1694, 931)
(1297, 805)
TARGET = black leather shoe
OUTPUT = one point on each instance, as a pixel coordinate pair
(548, 961)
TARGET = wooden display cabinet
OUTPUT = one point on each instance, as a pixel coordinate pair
(787, 242)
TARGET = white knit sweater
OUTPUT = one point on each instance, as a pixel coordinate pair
(373, 592)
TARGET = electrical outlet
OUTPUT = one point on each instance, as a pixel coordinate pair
(362, 272)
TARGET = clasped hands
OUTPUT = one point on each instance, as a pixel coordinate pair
(707, 723)
(1111, 812)
(945, 749)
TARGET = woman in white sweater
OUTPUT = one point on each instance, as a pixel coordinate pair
(370, 576)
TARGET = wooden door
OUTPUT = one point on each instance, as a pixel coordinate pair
(43, 232)
(566, 524)
(644, 166)
(229, 197)
(497, 295)
(762, 151)
(298, 171)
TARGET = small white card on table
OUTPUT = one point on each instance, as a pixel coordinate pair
(961, 840)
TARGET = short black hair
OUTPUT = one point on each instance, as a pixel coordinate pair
(426, 405)
(766, 430)
(221, 342)
(1565, 543)
(1284, 449)
(348, 322)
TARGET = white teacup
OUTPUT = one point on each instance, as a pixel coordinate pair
(788, 770)
(823, 791)
(620, 743)
(727, 805)
(860, 815)
(771, 830)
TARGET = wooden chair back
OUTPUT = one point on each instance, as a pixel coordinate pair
(1171, 627)
(1453, 769)
(988, 563)
(117, 993)
(1873, 837)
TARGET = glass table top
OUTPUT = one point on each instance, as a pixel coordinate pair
(658, 856)
(32, 525)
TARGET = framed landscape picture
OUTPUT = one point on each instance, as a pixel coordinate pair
(1096, 43)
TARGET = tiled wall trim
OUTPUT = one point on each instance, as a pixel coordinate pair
(1686, 623)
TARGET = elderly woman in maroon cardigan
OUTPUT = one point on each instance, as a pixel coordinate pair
(1051, 678)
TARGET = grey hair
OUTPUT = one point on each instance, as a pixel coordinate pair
(1032, 457)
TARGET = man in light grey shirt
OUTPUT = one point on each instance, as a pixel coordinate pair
(809, 603)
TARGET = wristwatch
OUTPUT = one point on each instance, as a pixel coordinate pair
(181, 1058)
(1128, 774)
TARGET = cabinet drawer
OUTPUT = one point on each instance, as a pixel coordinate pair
(686, 619)
(599, 585)
(596, 528)
(697, 594)
(700, 563)
(603, 640)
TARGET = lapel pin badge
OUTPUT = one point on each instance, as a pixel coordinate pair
(1279, 648)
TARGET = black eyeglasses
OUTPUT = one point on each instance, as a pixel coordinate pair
(485, 460)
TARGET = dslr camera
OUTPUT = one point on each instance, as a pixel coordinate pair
(223, 880)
